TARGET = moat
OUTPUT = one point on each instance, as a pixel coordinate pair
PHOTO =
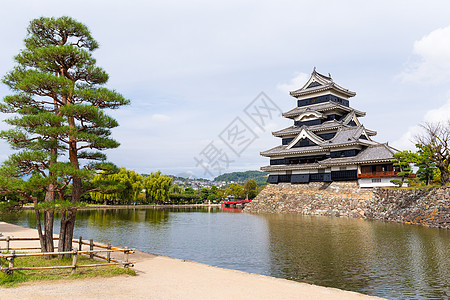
(389, 260)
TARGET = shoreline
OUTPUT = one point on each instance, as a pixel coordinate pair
(125, 206)
(163, 277)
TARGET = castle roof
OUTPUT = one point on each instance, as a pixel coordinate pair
(321, 107)
(282, 150)
(345, 136)
(377, 153)
(318, 83)
(348, 135)
(325, 126)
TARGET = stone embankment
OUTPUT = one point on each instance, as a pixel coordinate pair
(429, 207)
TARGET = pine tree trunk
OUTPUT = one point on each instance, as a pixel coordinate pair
(66, 232)
(48, 227)
(39, 229)
(76, 189)
(62, 233)
(70, 225)
(68, 222)
(49, 214)
(46, 238)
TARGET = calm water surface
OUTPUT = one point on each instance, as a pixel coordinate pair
(383, 259)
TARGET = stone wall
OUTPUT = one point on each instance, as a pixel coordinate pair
(429, 207)
(316, 198)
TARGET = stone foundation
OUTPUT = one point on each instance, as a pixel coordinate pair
(429, 207)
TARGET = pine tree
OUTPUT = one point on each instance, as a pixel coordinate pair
(58, 110)
(402, 166)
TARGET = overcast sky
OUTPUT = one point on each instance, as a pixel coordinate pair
(190, 68)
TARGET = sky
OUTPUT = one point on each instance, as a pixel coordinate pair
(194, 70)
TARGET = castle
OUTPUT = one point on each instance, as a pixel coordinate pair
(327, 141)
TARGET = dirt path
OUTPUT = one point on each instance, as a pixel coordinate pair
(161, 277)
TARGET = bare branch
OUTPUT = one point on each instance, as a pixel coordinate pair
(436, 137)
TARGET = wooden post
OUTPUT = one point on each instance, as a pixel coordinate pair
(7, 243)
(11, 262)
(125, 254)
(74, 261)
(91, 247)
(108, 254)
(80, 243)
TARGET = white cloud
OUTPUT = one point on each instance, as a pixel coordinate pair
(440, 114)
(294, 84)
(160, 118)
(433, 53)
(406, 141)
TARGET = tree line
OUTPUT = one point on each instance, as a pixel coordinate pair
(129, 187)
(431, 158)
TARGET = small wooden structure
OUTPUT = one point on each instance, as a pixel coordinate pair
(106, 249)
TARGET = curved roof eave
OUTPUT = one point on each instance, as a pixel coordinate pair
(284, 152)
(334, 87)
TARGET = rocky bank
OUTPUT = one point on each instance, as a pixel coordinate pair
(428, 207)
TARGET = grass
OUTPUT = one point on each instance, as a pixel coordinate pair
(55, 274)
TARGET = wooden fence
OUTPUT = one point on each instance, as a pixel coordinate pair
(108, 249)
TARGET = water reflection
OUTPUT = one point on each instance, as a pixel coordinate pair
(384, 259)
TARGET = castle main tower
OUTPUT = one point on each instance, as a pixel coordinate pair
(327, 141)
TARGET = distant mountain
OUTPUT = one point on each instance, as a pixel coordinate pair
(241, 177)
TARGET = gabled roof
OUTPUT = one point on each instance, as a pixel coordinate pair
(320, 108)
(308, 113)
(319, 82)
(327, 125)
(351, 116)
(345, 136)
(380, 151)
(305, 133)
(349, 135)
(377, 153)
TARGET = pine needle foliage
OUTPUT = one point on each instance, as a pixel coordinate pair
(58, 123)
